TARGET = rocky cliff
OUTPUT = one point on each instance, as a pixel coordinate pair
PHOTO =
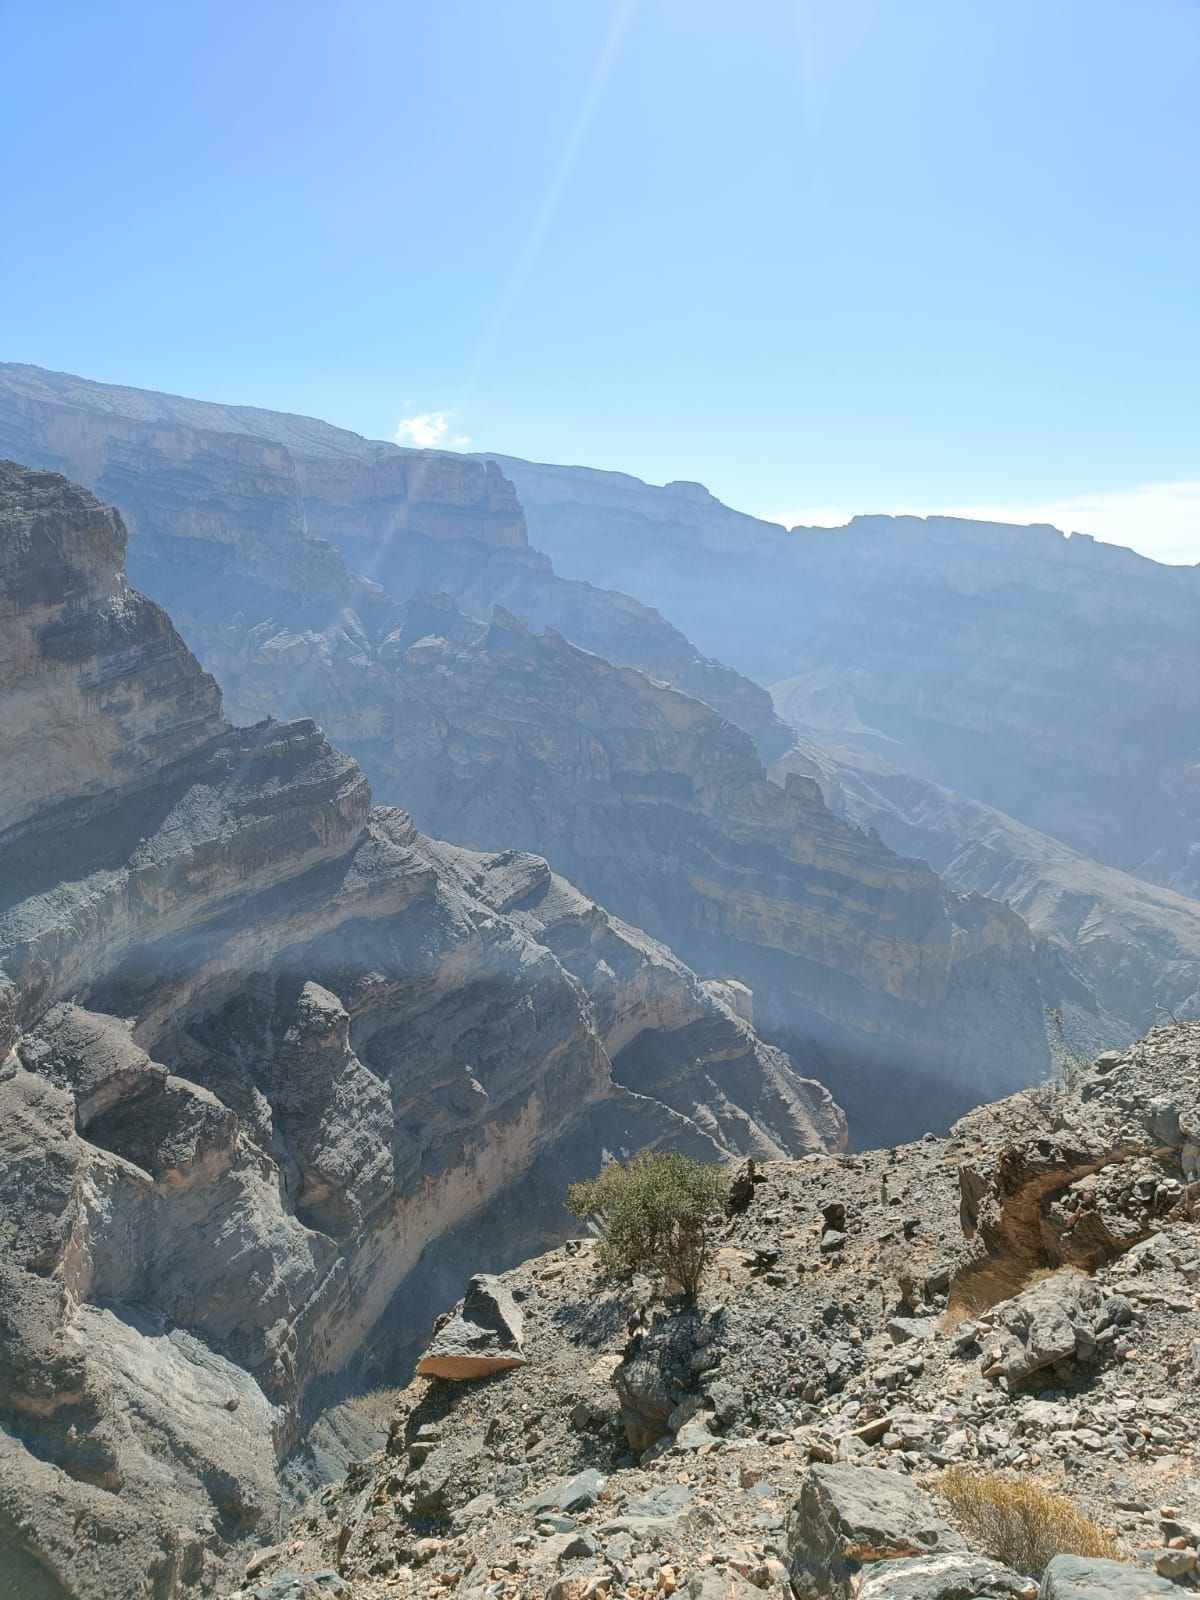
(262, 1047)
(205, 487)
(1054, 679)
(1134, 944)
(859, 960)
(861, 964)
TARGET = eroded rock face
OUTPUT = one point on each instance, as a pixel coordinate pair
(660, 808)
(1052, 678)
(96, 679)
(494, 735)
(211, 490)
(1134, 944)
(850, 1517)
(263, 1045)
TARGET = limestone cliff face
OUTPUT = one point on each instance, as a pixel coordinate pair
(1054, 679)
(97, 682)
(263, 1046)
(206, 488)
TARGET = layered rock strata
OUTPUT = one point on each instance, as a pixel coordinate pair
(1135, 945)
(210, 491)
(1054, 679)
(862, 964)
(857, 958)
(262, 1046)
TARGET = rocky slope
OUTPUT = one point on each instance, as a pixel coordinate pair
(1018, 1299)
(1054, 679)
(1134, 944)
(213, 491)
(262, 1046)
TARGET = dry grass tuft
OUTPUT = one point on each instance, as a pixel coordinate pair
(377, 1405)
(1018, 1522)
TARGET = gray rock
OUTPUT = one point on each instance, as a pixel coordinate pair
(579, 1548)
(728, 1400)
(661, 1511)
(483, 1336)
(1053, 1320)
(848, 1517)
(713, 1583)
(1091, 1578)
(573, 1494)
(903, 1329)
(942, 1577)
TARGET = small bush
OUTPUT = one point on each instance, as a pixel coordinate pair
(653, 1212)
(1018, 1522)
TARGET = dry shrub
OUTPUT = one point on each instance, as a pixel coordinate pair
(376, 1406)
(1018, 1522)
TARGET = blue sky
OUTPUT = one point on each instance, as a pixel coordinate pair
(822, 255)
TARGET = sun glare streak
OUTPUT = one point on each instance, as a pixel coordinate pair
(554, 190)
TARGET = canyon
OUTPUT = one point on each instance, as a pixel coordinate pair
(526, 713)
(369, 872)
(263, 1045)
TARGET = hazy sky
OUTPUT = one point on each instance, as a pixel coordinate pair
(823, 255)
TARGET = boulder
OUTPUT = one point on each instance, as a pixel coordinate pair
(1091, 1578)
(1053, 1320)
(654, 1377)
(848, 1517)
(573, 1494)
(943, 1577)
(483, 1336)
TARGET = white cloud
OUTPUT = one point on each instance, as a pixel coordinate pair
(1161, 520)
(461, 440)
(424, 431)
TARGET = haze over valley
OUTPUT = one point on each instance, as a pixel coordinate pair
(567, 1032)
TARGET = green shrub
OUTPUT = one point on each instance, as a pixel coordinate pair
(653, 1212)
(1018, 1522)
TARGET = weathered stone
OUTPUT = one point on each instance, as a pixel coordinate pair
(849, 1516)
(573, 1494)
(1053, 1320)
(1092, 1578)
(943, 1577)
(483, 1336)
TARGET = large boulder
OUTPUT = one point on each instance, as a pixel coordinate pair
(483, 1336)
(1092, 1578)
(952, 1576)
(848, 1517)
(1055, 1319)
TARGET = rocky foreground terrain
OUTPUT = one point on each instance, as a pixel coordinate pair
(273, 1066)
(1019, 1298)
